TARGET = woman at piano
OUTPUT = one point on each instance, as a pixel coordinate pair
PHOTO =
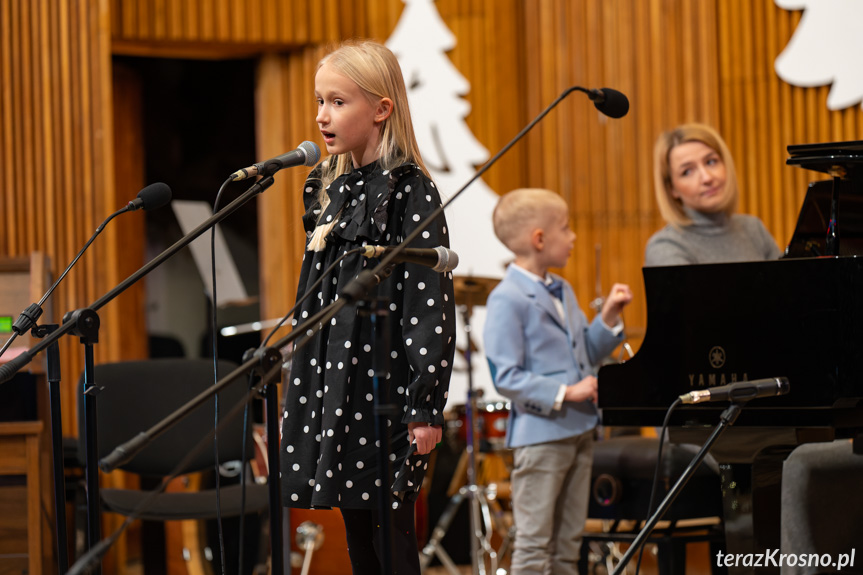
(696, 189)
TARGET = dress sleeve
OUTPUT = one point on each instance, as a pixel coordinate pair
(428, 304)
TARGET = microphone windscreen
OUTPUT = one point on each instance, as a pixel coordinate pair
(155, 196)
(313, 153)
(614, 105)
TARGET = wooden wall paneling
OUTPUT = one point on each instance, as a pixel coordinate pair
(270, 15)
(591, 213)
(774, 169)
(41, 107)
(297, 21)
(285, 90)
(532, 95)
(160, 19)
(127, 319)
(317, 25)
(27, 109)
(643, 108)
(621, 181)
(587, 199)
(274, 209)
(622, 263)
(507, 48)
(49, 131)
(176, 19)
(6, 115)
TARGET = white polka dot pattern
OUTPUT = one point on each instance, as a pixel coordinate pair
(332, 398)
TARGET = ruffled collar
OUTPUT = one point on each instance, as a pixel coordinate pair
(358, 202)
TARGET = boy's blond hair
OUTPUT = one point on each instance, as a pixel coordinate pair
(520, 212)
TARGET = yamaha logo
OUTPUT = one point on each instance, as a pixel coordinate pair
(716, 357)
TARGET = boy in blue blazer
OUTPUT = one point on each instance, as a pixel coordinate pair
(543, 354)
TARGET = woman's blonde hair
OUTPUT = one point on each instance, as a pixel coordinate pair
(670, 207)
(375, 69)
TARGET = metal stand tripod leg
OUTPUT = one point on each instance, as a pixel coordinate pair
(481, 520)
(484, 512)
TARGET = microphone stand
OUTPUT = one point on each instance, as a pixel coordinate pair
(15, 364)
(726, 419)
(268, 361)
(27, 320)
(85, 323)
(380, 387)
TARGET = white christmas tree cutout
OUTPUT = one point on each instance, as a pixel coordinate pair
(825, 48)
(450, 150)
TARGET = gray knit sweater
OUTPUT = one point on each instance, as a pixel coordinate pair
(711, 238)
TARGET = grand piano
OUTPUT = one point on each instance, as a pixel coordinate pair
(799, 317)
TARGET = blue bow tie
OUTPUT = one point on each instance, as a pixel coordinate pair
(555, 288)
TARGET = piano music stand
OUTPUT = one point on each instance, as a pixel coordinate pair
(843, 161)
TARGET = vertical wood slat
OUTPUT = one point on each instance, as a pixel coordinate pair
(7, 99)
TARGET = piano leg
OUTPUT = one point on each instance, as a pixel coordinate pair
(751, 496)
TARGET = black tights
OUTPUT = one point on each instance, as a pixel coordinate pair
(363, 532)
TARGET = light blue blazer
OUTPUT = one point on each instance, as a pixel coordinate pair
(532, 351)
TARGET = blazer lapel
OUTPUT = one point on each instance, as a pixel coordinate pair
(540, 295)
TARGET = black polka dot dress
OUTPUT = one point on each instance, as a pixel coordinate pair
(328, 448)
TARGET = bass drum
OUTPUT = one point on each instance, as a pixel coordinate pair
(332, 556)
(491, 422)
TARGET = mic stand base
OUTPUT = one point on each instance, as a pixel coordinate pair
(727, 418)
(484, 508)
(269, 358)
(53, 373)
(87, 328)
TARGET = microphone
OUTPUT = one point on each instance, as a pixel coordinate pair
(610, 102)
(740, 391)
(152, 197)
(306, 154)
(439, 259)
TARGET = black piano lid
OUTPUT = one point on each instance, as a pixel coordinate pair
(843, 160)
(810, 232)
(834, 158)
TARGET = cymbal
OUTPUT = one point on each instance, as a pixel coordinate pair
(473, 290)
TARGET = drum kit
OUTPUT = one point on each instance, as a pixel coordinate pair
(477, 423)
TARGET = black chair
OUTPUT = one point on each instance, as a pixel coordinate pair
(135, 396)
(622, 477)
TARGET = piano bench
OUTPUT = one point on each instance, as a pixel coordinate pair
(621, 480)
(670, 538)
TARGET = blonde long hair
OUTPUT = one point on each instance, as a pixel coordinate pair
(670, 207)
(375, 69)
